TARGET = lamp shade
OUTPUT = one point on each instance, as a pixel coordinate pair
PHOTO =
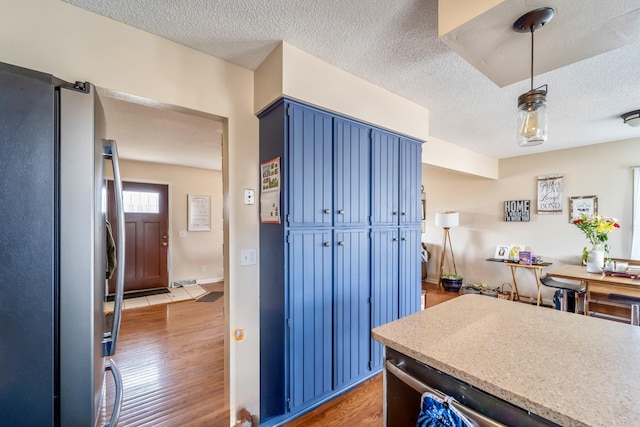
(447, 219)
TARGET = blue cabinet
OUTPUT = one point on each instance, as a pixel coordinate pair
(334, 267)
(310, 289)
(410, 202)
(310, 172)
(396, 179)
(352, 173)
(410, 278)
(384, 284)
(351, 318)
(385, 160)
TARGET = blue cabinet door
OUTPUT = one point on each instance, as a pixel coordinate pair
(384, 284)
(410, 181)
(352, 173)
(310, 316)
(351, 316)
(384, 178)
(310, 174)
(410, 271)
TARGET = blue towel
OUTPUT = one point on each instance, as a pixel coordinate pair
(437, 412)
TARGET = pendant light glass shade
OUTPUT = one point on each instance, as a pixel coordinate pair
(532, 118)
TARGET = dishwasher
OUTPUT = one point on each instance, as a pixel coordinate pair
(407, 379)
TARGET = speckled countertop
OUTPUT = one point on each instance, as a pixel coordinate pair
(571, 369)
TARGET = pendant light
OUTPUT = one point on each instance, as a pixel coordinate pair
(532, 105)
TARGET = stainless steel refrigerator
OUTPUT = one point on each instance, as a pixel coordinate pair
(55, 342)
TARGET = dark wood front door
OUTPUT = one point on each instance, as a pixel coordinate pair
(147, 231)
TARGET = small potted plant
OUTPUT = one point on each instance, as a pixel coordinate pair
(451, 282)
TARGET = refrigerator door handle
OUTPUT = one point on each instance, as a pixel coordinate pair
(110, 340)
(110, 365)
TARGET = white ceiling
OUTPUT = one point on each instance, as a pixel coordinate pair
(395, 44)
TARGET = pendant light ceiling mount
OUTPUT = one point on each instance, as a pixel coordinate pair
(532, 108)
(531, 21)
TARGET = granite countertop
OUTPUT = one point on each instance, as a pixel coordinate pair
(571, 369)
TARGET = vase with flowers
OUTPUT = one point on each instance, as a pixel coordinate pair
(597, 229)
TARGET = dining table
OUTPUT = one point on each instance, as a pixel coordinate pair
(599, 286)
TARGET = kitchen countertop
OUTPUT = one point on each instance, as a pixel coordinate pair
(568, 368)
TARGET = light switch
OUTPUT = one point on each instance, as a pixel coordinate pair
(249, 196)
(247, 257)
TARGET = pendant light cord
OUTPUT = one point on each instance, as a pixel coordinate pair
(532, 30)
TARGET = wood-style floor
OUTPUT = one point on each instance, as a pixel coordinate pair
(171, 358)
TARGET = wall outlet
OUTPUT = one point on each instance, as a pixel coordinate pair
(182, 233)
(203, 268)
(248, 257)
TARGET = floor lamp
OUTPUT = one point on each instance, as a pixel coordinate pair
(446, 220)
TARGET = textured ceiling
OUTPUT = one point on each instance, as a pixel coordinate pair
(395, 44)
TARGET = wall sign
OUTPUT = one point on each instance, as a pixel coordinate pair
(587, 205)
(199, 212)
(550, 189)
(270, 192)
(517, 210)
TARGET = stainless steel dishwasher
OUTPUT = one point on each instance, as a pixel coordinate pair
(407, 379)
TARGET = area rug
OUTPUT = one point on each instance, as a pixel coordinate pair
(210, 297)
(137, 294)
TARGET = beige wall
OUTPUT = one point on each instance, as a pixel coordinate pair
(187, 254)
(291, 72)
(603, 170)
(73, 44)
(453, 13)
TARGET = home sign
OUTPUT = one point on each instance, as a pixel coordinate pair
(517, 210)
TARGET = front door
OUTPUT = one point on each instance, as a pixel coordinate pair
(146, 225)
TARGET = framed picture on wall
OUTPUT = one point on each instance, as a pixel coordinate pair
(199, 212)
(587, 205)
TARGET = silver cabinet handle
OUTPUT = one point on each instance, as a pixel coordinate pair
(164, 243)
(110, 365)
(404, 238)
(341, 211)
(327, 243)
(404, 213)
(110, 151)
(327, 211)
(395, 212)
(341, 243)
(395, 239)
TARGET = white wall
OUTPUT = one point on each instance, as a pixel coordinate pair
(73, 44)
(603, 170)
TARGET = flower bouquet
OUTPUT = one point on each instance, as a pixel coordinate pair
(597, 229)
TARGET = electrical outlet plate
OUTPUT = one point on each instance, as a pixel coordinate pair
(248, 257)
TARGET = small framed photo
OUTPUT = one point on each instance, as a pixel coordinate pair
(587, 205)
(502, 252)
(514, 252)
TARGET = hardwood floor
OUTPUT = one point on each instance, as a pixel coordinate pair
(171, 358)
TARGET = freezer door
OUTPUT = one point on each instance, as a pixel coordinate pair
(82, 257)
(27, 248)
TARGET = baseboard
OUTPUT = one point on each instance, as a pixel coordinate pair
(213, 280)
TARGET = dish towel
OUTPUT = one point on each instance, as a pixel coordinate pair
(438, 412)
